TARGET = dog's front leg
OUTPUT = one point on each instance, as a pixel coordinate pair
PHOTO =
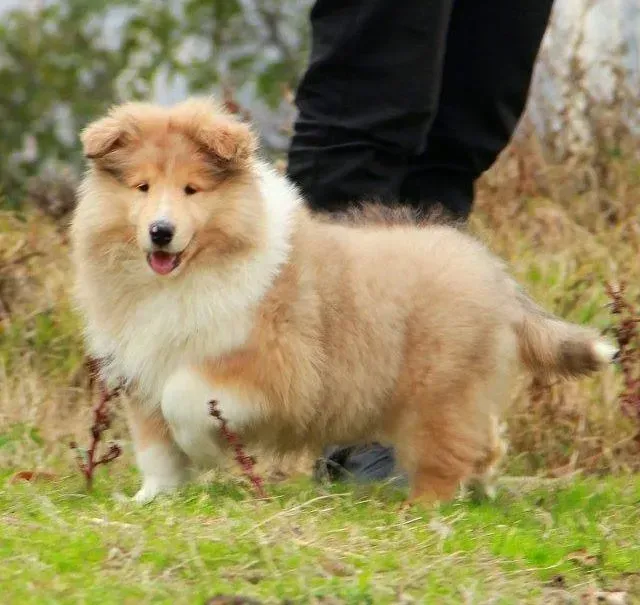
(185, 405)
(163, 465)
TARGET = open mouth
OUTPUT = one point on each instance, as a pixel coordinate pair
(163, 263)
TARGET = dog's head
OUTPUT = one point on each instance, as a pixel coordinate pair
(175, 183)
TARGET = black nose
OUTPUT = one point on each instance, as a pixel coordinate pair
(161, 233)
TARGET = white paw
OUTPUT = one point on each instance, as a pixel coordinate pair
(150, 489)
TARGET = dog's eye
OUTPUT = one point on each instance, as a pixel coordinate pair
(189, 190)
(144, 187)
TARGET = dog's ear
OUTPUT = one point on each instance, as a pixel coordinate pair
(230, 142)
(101, 137)
(110, 132)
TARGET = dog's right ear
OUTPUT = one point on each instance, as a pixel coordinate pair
(101, 137)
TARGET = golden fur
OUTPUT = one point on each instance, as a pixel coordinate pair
(307, 331)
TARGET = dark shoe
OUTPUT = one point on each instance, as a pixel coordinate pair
(360, 463)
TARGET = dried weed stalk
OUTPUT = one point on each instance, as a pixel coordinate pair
(232, 105)
(87, 458)
(628, 337)
(246, 462)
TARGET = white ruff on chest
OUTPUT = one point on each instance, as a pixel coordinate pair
(147, 334)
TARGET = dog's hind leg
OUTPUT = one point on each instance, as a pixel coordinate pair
(439, 450)
(483, 482)
(446, 441)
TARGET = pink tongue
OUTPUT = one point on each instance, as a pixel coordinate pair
(162, 262)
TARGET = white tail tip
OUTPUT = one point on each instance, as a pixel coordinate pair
(605, 351)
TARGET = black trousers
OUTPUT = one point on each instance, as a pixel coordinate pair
(409, 102)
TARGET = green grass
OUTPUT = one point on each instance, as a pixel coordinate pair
(309, 542)
(538, 543)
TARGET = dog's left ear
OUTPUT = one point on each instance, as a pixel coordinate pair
(230, 142)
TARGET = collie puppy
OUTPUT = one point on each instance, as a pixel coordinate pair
(201, 276)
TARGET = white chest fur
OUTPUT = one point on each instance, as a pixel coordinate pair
(185, 400)
(149, 333)
(175, 327)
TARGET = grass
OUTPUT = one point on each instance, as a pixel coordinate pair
(344, 544)
(563, 232)
(566, 228)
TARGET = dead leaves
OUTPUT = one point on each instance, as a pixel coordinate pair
(33, 476)
(584, 559)
(333, 567)
(558, 591)
(608, 597)
(222, 599)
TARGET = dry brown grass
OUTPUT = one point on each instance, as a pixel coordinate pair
(565, 227)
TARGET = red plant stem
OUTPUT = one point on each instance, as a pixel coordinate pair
(629, 356)
(101, 422)
(246, 462)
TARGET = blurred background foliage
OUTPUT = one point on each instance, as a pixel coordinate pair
(560, 205)
(64, 62)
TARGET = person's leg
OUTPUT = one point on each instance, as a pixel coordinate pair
(367, 99)
(491, 51)
(348, 146)
(365, 105)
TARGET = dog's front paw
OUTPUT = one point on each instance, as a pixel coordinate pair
(149, 490)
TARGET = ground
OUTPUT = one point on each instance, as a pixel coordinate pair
(568, 533)
(551, 542)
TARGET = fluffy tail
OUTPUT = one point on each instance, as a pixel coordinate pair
(551, 346)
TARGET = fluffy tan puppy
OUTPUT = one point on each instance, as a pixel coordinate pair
(200, 275)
